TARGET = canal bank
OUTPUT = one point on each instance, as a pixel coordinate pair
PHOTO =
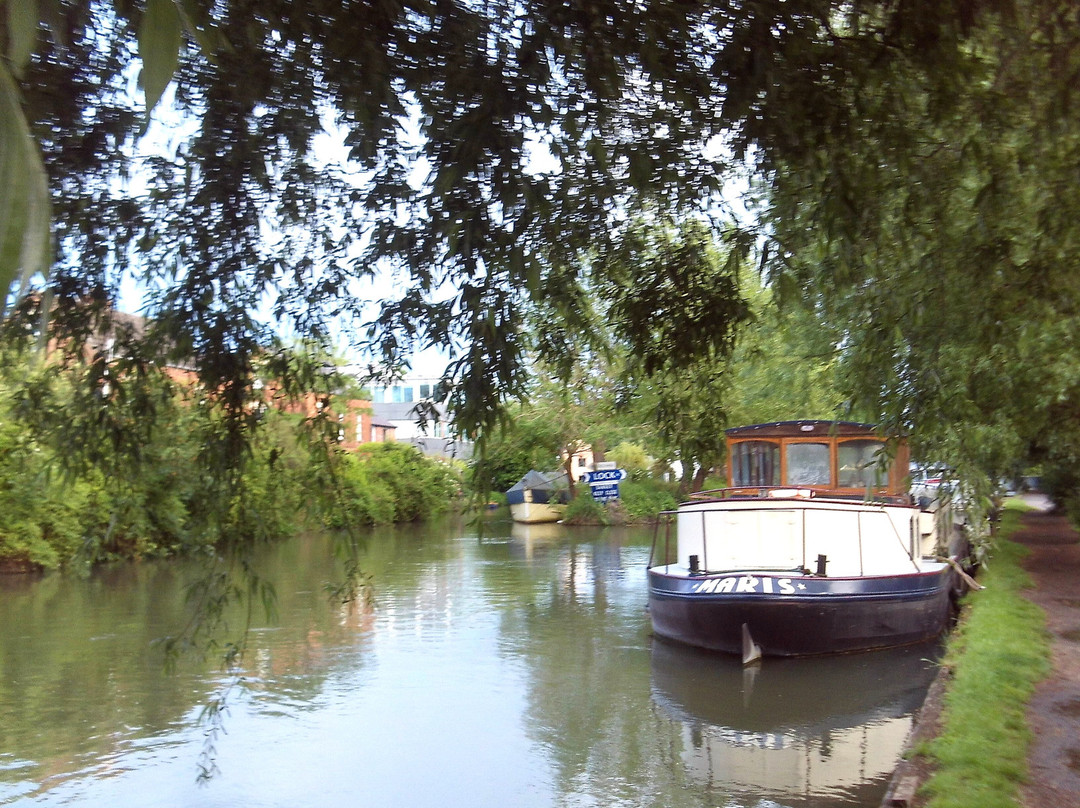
(1053, 712)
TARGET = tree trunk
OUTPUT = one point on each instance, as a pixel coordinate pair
(699, 479)
(686, 482)
(598, 451)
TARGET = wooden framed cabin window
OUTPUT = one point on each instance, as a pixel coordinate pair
(859, 464)
(840, 456)
(808, 464)
(755, 462)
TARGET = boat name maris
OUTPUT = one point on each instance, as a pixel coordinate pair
(748, 583)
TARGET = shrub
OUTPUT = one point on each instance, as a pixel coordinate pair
(394, 482)
(365, 498)
(44, 517)
(108, 507)
(638, 502)
(632, 458)
(584, 510)
(644, 499)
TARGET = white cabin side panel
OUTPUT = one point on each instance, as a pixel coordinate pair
(741, 538)
(835, 535)
(856, 540)
(859, 542)
(691, 539)
(899, 549)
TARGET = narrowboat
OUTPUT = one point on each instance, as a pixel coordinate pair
(816, 546)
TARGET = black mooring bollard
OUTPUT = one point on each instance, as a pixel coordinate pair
(822, 560)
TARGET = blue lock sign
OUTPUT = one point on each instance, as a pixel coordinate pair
(604, 492)
(605, 476)
(604, 483)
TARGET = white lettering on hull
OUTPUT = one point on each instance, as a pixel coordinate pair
(748, 584)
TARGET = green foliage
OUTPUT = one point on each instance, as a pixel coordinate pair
(926, 221)
(631, 458)
(714, 481)
(366, 499)
(638, 502)
(784, 365)
(97, 510)
(511, 228)
(584, 510)
(24, 205)
(779, 367)
(160, 38)
(913, 163)
(673, 299)
(138, 486)
(393, 482)
(42, 525)
(680, 374)
(643, 499)
(527, 440)
(274, 494)
(1000, 648)
(689, 411)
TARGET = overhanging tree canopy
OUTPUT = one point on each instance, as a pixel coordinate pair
(916, 160)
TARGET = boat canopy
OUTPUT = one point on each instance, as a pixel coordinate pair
(841, 456)
(541, 481)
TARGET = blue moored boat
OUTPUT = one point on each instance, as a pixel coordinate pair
(539, 497)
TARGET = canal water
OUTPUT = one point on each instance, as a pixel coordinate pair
(513, 668)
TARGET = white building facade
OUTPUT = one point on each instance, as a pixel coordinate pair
(399, 404)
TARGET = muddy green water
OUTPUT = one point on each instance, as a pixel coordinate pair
(515, 669)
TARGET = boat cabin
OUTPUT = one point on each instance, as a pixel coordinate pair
(808, 495)
(840, 457)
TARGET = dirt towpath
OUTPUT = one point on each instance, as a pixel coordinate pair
(1054, 711)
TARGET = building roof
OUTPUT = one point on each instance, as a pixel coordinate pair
(405, 411)
(443, 447)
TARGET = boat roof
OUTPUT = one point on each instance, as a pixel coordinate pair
(546, 480)
(786, 429)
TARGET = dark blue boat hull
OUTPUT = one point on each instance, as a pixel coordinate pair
(795, 615)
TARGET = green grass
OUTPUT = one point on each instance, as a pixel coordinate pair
(998, 653)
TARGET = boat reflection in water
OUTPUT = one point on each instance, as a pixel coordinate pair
(528, 538)
(815, 731)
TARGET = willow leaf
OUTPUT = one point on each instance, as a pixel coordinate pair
(22, 19)
(160, 38)
(24, 205)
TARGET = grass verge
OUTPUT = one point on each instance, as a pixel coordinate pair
(998, 653)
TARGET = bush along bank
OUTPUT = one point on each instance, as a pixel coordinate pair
(997, 654)
(392, 482)
(56, 521)
(640, 502)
